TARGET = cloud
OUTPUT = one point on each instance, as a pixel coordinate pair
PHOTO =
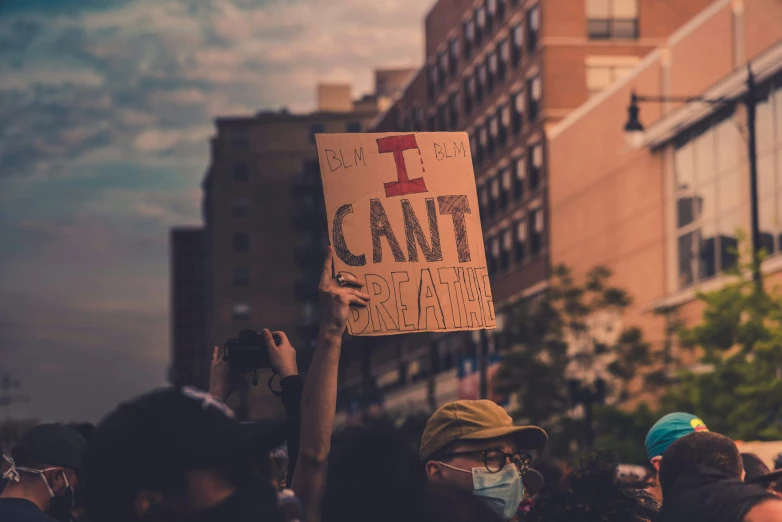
(106, 107)
(146, 75)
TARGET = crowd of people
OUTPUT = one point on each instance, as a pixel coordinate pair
(179, 454)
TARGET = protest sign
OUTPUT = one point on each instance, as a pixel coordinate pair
(402, 214)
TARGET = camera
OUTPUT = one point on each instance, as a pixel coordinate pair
(248, 352)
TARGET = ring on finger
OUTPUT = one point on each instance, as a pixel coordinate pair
(341, 280)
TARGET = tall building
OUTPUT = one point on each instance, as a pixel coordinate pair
(191, 351)
(265, 223)
(664, 216)
(504, 71)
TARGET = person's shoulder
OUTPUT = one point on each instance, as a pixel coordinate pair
(21, 510)
(766, 511)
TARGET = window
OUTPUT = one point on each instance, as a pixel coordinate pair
(533, 28)
(468, 94)
(241, 242)
(519, 240)
(502, 59)
(491, 68)
(519, 175)
(517, 108)
(500, 9)
(431, 86)
(473, 147)
(491, 11)
(441, 124)
(536, 231)
(480, 24)
(431, 123)
(535, 154)
(241, 312)
(769, 147)
(240, 139)
(407, 123)
(494, 195)
(453, 55)
(503, 122)
(600, 77)
(491, 258)
(518, 40)
(612, 19)
(316, 128)
(241, 171)
(418, 119)
(240, 207)
(453, 109)
(353, 126)
(491, 123)
(505, 187)
(534, 91)
(240, 276)
(469, 35)
(707, 176)
(442, 68)
(480, 82)
(483, 201)
(482, 141)
(505, 248)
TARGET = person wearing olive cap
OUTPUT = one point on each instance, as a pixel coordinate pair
(665, 432)
(474, 446)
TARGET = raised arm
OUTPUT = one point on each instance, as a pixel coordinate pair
(319, 397)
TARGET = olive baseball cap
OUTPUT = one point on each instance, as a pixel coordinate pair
(475, 420)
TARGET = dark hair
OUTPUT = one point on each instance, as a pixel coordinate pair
(595, 495)
(372, 470)
(85, 429)
(753, 466)
(702, 448)
(552, 472)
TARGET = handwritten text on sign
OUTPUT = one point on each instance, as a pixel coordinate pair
(403, 215)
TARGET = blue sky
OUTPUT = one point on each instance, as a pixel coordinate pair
(106, 107)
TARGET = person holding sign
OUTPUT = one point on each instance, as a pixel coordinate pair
(402, 215)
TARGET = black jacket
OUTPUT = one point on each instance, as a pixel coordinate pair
(706, 494)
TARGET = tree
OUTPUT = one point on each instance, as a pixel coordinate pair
(737, 387)
(568, 354)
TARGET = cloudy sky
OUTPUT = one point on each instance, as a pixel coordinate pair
(105, 111)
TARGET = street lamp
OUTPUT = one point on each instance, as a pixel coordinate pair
(634, 132)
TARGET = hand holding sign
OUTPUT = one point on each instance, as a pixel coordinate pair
(336, 299)
(405, 218)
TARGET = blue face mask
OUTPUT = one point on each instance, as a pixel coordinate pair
(502, 491)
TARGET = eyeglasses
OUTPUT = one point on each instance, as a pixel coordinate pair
(495, 459)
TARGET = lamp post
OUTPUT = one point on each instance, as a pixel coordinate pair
(634, 131)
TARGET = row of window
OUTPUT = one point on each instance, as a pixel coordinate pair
(511, 183)
(523, 240)
(490, 136)
(474, 30)
(709, 179)
(319, 128)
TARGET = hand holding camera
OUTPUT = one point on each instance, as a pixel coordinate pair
(248, 353)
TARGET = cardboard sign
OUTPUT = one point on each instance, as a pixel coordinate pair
(403, 216)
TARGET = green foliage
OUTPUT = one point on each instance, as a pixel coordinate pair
(536, 369)
(738, 390)
(624, 431)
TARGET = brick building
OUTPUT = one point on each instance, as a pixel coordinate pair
(264, 235)
(664, 216)
(504, 71)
